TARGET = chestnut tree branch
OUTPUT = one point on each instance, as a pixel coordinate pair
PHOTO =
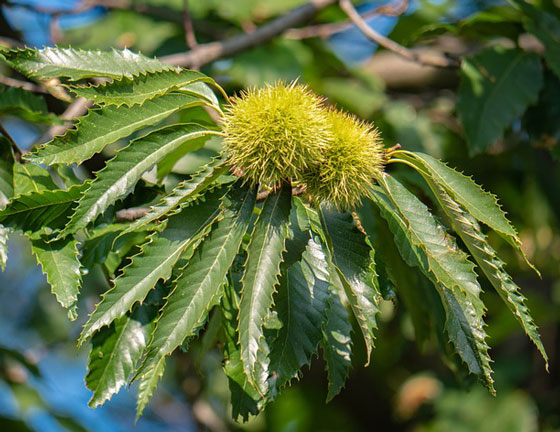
(326, 30)
(441, 62)
(207, 53)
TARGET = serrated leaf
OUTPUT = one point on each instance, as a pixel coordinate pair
(449, 268)
(30, 178)
(60, 262)
(492, 266)
(259, 283)
(21, 103)
(115, 352)
(481, 204)
(301, 303)
(183, 192)
(121, 173)
(496, 87)
(336, 343)
(409, 283)
(37, 210)
(101, 127)
(353, 259)
(155, 262)
(200, 285)
(76, 64)
(148, 385)
(137, 90)
(245, 400)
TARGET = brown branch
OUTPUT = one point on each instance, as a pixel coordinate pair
(441, 62)
(210, 52)
(190, 37)
(129, 215)
(326, 30)
(29, 86)
(76, 109)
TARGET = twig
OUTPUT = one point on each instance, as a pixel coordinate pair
(15, 147)
(326, 30)
(76, 109)
(210, 52)
(190, 37)
(12, 82)
(129, 215)
(442, 62)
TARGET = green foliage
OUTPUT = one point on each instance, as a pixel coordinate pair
(122, 172)
(20, 103)
(79, 64)
(130, 91)
(497, 85)
(281, 278)
(115, 352)
(59, 260)
(264, 255)
(105, 126)
(546, 27)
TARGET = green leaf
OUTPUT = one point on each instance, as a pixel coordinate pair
(4, 233)
(6, 171)
(301, 303)
(115, 352)
(476, 201)
(121, 173)
(492, 266)
(201, 89)
(155, 261)
(449, 269)
(147, 386)
(546, 27)
(183, 192)
(137, 90)
(101, 127)
(259, 281)
(60, 262)
(26, 105)
(496, 87)
(37, 210)
(336, 343)
(79, 64)
(353, 259)
(199, 287)
(410, 282)
(245, 399)
(30, 178)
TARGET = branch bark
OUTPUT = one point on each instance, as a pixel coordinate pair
(326, 30)
(441, 62)
(207, 53)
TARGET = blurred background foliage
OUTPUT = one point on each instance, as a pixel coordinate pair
(407, 386)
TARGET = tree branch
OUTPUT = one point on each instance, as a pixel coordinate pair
(326, 30)
(190, 37)
(441, 62)
(207, 53)
(29, 86)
